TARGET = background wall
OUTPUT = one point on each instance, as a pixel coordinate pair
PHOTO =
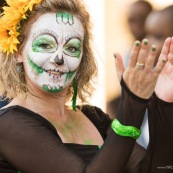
(97, 11)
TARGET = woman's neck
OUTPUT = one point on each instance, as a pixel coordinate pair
(46, 104)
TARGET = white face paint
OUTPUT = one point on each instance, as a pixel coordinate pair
(53, 50)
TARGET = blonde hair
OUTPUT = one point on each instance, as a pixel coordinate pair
(13, 83)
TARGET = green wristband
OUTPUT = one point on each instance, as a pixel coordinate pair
(128, 131)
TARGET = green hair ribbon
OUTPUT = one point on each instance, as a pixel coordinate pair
(74, 94)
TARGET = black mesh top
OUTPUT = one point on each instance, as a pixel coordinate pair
(30, 143)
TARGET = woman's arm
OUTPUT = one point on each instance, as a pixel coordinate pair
(160, 151)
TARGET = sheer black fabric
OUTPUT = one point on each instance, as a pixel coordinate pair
(30, 143)
(160, 149)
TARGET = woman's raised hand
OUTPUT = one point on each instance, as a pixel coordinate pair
(140, 76)
(164, 86)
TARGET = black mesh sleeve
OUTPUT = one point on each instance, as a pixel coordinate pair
(160, 151)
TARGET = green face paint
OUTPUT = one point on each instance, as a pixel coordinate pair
(71, 74)
(73, 48)
(88, 142)
(40, 70)
(52, 90)
(55, 90)
(37, 69)
(54, 35)
(44, 43)
(65, 17)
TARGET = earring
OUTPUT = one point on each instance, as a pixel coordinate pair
(19, 67)
(75, 87)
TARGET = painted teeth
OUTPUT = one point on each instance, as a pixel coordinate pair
(49, 87)
(56, 77)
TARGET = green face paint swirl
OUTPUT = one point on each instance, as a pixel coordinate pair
(37, 69)
(70, 74)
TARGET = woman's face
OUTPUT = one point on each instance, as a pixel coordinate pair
(53, 51)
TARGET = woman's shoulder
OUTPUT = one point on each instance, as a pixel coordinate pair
(18, 114)
(100, 119)
(94, 112)
(8, 110)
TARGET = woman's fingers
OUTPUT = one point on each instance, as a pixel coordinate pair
(141, 76)
(164, 84)
(160, 65)
(143, 52)
(170, 55)
(138, 54)
(119, 65)
(165, 49)
(165, 54)
(134, 53)
(149, 64)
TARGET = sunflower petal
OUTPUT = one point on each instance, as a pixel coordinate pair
(10, 23)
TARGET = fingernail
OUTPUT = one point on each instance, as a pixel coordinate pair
(153, 48)
(137, 43)
(145, 42)
(164, 60)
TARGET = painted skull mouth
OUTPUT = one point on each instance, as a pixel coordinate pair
(55, 72)
(52, 89)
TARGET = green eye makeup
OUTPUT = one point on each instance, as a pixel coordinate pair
(73, 48)
(44, 43)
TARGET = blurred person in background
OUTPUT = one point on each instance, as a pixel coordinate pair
(136, 17)
(137, 14)
(159, 26)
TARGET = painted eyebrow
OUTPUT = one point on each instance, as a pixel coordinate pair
(45, 31)
(68, 38)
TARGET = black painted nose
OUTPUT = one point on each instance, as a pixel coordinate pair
(59, 61)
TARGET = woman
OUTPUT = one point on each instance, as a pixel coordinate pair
(47, 60)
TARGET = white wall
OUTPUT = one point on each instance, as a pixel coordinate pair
(96, 9)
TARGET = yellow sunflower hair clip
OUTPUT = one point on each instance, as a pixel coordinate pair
(10, 23)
